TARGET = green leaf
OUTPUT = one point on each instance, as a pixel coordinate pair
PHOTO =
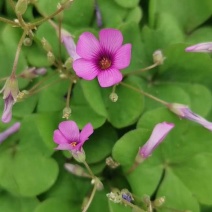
(57, 204)
(100, 144)
(112, 13)
(82, 113)
(10, 203)
(37, 173)
(134, 15)
(189, 15)
(179, 197)
(195, 174)
(124, 112)
(52, 98)
(92, 92)
(127, 3)
(47, 127)
(182, 66)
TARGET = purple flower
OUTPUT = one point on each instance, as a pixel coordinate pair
(69, 138)
(11, 130)
(158, 134)
(200, 47)
(102, 59)
(184, 111)
(10, 92)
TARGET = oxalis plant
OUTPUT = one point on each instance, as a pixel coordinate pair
(105, 106)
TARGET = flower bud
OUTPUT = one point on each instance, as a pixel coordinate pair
(98, 183)
(113, 97)
(76, 170)
(50, 58)
(126, 195)
(79, 156)
(21, 95)
(159, 202)
(66, 112)
(111, 163)
(200, 47)
(158, 57)
(33, 72)
(21, 7)
(27, 41)
(115, 196)
(46, 45)
(68, 63)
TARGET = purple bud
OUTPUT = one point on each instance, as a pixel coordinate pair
(159, 132)
(98, 16)
(184, 111)
(200, 47)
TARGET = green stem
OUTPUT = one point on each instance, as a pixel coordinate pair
(145, 94)
(132, 205)
(18, 53)
(143, 69)
(5, 20)
(50, 16)
(68, 95)
(90, 199)
(89, 170)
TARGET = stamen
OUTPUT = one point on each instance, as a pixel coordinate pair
(73, 144)
(104, 63)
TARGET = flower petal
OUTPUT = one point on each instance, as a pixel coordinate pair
(70, 46)
(70, 130)
(7, 113)
(88, 46)
(85, 69)
(122, 57)
(63, 147)
(109, 77)
(86, 132)
(200, 47)
(59, 138)
(110, 39)
(158, 134)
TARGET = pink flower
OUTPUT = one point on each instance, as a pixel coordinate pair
(102, 58)
(184, 111)
(159, 132)
(69, 138)
(11, 130)
(200, 47)
(10, 92)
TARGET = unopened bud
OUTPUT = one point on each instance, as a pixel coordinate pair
(22, 95)
(111, 163)
(27, 41)
(50, 57)
(66, 112)
(76, 170)
(115, 196)
(46, 45)
(159, 202)
(65, 4)
(158, 57)
(98, 183)
(21, 7)
(68, 63)
(79, 156)
(146, 199)
(113, 97)
(126, 195)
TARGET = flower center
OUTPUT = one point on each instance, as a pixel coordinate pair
(104, 63)
(73, 144)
